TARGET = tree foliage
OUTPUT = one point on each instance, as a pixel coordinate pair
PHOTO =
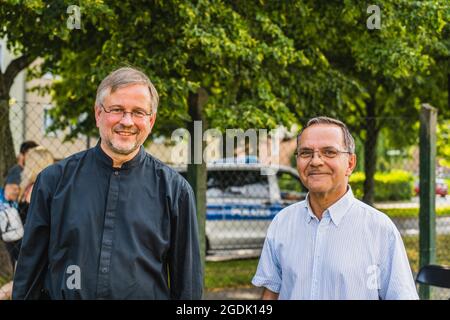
(262, 63)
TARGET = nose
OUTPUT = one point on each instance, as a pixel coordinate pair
(316, 160)
(127, 119)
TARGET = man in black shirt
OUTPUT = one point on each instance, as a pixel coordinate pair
(112, 222)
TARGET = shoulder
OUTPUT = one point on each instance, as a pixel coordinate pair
(14, 174)
(75, 158)
(377, 219)
(289, 213)
(16, 169)
(3, 203)
(167, 174)
(54, 172)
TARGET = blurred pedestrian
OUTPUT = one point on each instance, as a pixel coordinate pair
(13, 176)
(15, 215)
(38, 159)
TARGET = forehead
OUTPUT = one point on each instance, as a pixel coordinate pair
(136, 95)
(322, 135)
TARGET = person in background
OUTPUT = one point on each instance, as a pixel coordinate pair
(10, 193)
(38, 159)
(15, 171)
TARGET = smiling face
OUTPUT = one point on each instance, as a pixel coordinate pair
(323, 176)
(121, 136)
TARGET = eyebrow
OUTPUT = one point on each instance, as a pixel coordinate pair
(134, 108)
(308, 148)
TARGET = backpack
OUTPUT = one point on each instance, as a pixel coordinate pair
(11, 227)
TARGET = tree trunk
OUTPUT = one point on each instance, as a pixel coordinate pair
(196, 172)
(370, 153)
(448, 89)
(7, 160)
(7, 153)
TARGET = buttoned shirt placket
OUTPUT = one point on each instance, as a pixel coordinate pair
(103, 281)
(321, 229)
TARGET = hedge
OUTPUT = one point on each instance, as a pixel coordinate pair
(413, 212)
(392, 186)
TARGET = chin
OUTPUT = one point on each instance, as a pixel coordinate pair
(318, 189)
(124, 149)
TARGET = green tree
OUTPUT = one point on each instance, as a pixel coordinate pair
(380, 76)
(33, 29)
(260, 63)
(391, 65)
(443, 143)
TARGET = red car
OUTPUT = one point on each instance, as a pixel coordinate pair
(441, 188)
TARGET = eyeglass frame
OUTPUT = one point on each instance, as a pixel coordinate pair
(319, 151)
(132, 113)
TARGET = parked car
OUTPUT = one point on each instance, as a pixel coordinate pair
(242, 201)
(441, 188)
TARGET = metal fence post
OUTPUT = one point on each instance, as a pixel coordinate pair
(427, 214)
(196, 171)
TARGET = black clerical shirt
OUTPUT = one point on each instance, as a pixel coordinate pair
(98, 232)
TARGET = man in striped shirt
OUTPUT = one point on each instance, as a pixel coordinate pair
(331, 245)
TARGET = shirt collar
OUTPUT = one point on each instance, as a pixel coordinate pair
(106, 160)
(310, 214)
(337, 211)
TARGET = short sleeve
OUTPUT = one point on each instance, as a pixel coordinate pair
(268, 273)
(397, 282)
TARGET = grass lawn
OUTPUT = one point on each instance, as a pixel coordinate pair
(230, 274)
(239, 273)
(442, 250)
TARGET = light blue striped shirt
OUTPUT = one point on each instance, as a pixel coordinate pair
(354, 252)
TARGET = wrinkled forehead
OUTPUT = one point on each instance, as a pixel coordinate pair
(322, 135)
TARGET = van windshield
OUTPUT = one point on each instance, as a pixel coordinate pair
(237, 184)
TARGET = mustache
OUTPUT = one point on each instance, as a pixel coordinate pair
(122, 128)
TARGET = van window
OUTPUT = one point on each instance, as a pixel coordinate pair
(237, 184)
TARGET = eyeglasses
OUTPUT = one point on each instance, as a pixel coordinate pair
(120, 112)
(327, 152)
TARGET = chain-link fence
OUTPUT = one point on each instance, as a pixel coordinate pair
(243, 196)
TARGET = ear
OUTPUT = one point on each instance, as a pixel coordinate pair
(351, 164)
(97, 112)
(152, 120)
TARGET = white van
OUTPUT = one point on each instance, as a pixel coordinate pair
(241, 202)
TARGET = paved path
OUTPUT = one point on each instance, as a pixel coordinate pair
(414, 203)
(234, 294)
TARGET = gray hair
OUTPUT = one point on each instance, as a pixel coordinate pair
(349, 142)
(124, 77)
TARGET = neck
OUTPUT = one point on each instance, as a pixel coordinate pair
(119, 159)
(320, 202)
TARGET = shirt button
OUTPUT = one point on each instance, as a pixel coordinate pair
(105, 270)
(116, 173)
